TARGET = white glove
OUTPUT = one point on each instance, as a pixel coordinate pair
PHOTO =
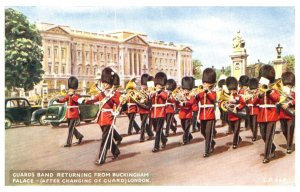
(115, 113)
(181, 104)
(232, 101)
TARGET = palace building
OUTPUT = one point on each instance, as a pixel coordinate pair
(84, 54)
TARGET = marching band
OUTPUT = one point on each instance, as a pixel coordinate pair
(259, 102)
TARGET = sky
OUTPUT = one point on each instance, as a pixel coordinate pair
(208, 30)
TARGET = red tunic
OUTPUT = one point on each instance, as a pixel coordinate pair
(185, 111)
(241, 104)
(267, 109)
(131, 106)
(72, 105)
(253, 107)
(170, 104)
(105, 117)
(195, 107)
(283, 114)
(207, 108)
(158, 109)
(242, 91)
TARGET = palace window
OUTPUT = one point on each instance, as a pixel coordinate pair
(108, 56)
(101, 56)
(79, 71)
(87, 56)
(63, 53)
(95, 56)
(115, 57)
(56, 69)
(49, 69)
(63, 70)
(79, 55)
(87, 71)
(49, 51)
(55, 53)
(95, 70)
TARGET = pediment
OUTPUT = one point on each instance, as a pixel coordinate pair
(187, 49)
(136, 40)
(58, 30)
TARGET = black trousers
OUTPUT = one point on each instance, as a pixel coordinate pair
(195, 124)
(288, 128)
(253, 125)
(187, 136)
(158, 124)
(169, 120)
(207, 130)
(145, 126)
(132, 123)
(106, 142)
(117, 136)
(73, 131)
(235, 127)
(267, 132)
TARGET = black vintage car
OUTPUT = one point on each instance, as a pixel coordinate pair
(19, 110)
(56, 112)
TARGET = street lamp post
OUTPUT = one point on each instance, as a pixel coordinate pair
(279, 50)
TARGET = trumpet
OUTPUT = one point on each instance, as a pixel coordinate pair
(179, 95)
(195, 91)
(284, 99)
(137, 96)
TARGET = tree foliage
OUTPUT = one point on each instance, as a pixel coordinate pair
(23, 53)
(227, 72)
(197, 69)
(290, 62)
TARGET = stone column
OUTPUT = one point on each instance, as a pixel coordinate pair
(59, 59)
(52, 57)
(68, 59)
(132, 63)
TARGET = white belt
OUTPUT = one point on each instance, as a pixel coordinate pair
(72, 107)
(250, 105)
(267, 106)
(170, 103)
(158, 105)
(131, 104)
(106, 110)
(207, 106)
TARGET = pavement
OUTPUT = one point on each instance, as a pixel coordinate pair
(38, 147)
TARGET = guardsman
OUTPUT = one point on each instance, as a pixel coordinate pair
(108, 99)
(287, 120)
(223, 114)
(207, 99)
(170, 106)
(144, 110)
(244, 87)
(237, 103)
(185, 112)
(253, 108)
(116, 84)
(158, 110)
(72, 113)
(267, 114)
(132, 108)
(195, 109)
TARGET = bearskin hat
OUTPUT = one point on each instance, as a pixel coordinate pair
(268, 72)
(160, 78)
(221, 83)
(73, 83)
(150, 78)
(253, 83)
(171, 84)
(243, 81)
(144, 79)
(231, 83)
(288, 78)
(187, 83)
(107, 75)
(116, 80)
(209, 76)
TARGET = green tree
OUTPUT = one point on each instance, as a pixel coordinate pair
(290, 62)
(227, 72)
(23, 53)
(197, 69)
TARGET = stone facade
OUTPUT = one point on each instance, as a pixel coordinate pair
(83, 54)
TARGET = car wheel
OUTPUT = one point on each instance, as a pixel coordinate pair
(27, 123)
(7, 123)
(54, 124)
(88, 121)
(42, 120)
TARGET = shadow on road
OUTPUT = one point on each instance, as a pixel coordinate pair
(122, 157)
(285, 146)
(179, 144)
(278, 155)
(83, 142)
(220, 149)
(219, 135)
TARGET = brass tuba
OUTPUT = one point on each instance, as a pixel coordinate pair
(284, 98)
(179, 95)
(136, 95)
